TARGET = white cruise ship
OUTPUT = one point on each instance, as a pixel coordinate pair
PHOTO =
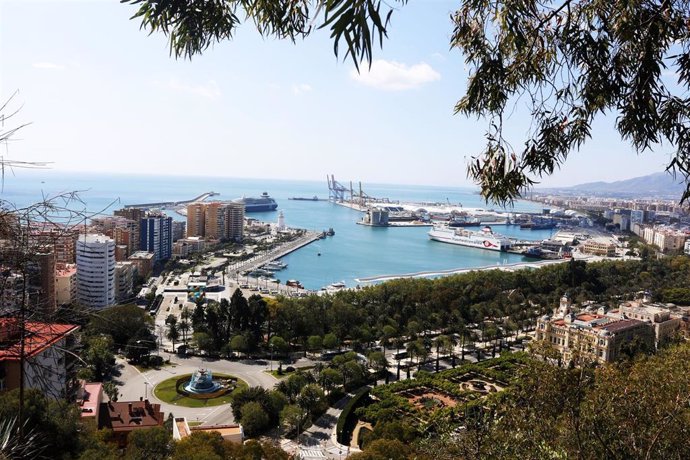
(484, 239)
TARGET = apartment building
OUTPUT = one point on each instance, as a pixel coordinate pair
(96, 271)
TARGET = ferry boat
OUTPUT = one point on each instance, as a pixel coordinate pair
(484, 239)
(261, 204)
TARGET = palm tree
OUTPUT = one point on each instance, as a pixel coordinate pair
(184, 328)
(173, 334)
(443, 343)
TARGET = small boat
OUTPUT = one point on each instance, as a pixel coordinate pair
(275, 266)
(338, 286)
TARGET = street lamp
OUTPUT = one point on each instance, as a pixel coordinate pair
(146, 390)
(270, 346)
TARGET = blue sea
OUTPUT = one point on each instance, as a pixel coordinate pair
(354, 252)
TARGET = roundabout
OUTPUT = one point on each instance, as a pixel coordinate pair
(199, 389)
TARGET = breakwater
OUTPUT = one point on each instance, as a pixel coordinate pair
(455, 271)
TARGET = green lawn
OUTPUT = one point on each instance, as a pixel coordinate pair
(275, 374)
(165, 391)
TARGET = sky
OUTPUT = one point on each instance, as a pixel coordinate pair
(102, 95)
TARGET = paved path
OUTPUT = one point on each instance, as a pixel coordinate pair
(319, 441)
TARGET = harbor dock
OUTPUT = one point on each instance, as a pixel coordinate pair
(275, 254)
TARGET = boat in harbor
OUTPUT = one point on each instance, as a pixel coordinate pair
(335, 287)
(275, 266)
(304, 198)
(464, 221)
(483, 239)
(260, 204)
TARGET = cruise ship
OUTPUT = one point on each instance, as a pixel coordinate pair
(484, 239)
(263, 203)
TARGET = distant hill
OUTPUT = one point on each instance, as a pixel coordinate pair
(658, 184)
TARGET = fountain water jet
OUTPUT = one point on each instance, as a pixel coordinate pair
(202, 382)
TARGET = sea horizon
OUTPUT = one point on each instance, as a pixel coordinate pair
(354, 252)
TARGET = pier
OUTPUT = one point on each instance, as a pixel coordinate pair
(172, 204)
(275, 254)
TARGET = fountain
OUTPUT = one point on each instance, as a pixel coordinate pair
(202, 382)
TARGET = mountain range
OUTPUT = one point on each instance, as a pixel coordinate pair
(657, 184)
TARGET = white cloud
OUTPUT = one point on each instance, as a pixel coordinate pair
(300, 89)
(209, 90)
(47, 65)
(438, 56)
(395, 76)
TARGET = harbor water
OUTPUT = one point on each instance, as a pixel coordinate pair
(356, 251)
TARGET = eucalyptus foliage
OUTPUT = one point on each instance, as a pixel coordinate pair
(567, 61)
(571, 61)
(193, 25)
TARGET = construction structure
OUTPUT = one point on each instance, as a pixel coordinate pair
(336, 190)
(338, 193)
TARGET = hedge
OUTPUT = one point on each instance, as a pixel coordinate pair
(343, 429)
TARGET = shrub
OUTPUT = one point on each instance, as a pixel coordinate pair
(345, 425)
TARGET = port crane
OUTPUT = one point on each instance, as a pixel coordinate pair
(336, 190)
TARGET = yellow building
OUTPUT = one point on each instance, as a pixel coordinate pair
(599, 247)
(590, 336)
(196, 219)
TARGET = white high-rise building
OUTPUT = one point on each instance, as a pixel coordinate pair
(95, 271)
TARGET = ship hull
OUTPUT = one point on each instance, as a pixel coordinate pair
(488, 242)
(260, 207)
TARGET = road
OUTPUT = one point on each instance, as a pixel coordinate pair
(319, 441)
(137, 384)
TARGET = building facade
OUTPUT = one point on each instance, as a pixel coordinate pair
(49, 363)
(156, 236)
(196, 219)
(179, 230)
(95, 271)
(590, 336)
(599, 247)
(124, 281)
(233, 222)
(143, 261)
(65, 284)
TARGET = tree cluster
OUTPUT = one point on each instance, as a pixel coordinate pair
(494, 302)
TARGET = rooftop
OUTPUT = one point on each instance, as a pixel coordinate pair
(38, 337)
(66, 270)
(95, 238)
(621, 325)
(126, 416)
(224, 430)
(90, 399)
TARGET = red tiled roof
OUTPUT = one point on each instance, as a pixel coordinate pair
(38, 337)
(125, 416)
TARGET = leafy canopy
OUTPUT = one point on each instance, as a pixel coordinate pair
(568, 61)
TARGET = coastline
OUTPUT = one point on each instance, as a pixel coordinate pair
(455, 271)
